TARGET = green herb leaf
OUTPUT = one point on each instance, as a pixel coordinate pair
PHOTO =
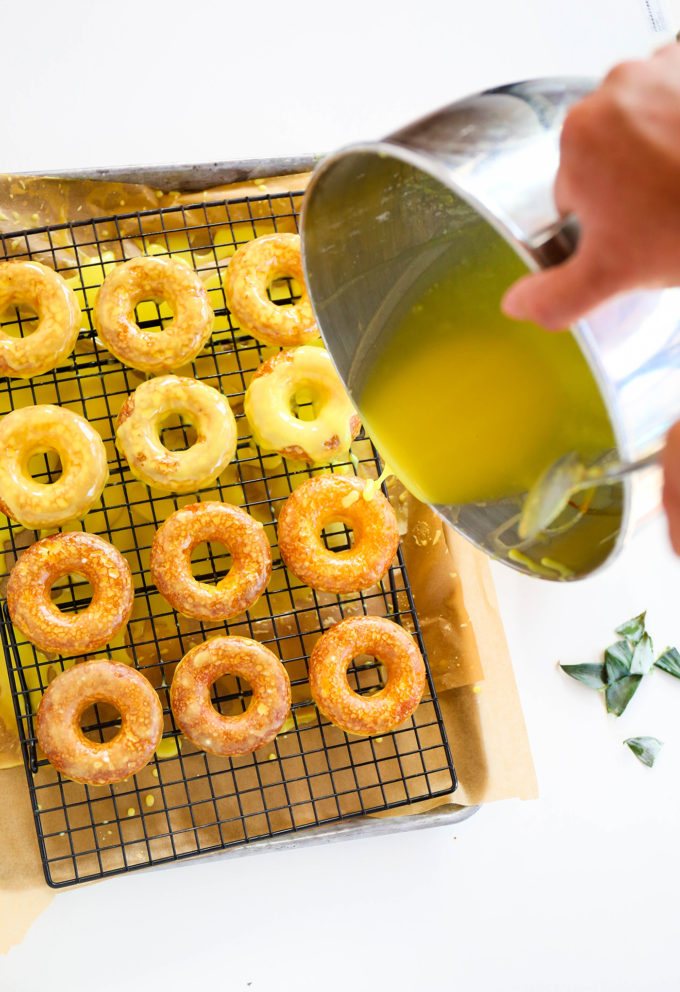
(669, 661)
(645, 748)
(620, 693)
(633, 629)
(643, 656)
(594, 676)
(617, 659)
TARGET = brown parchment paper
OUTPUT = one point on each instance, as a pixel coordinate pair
(23, 892)
(451, 583)
(28, 202)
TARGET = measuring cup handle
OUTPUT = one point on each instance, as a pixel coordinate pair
(556, 243)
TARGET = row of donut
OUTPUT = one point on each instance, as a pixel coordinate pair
(68, 749)
(251, 270)
(301, 521)
(300, 524)
(268, 406)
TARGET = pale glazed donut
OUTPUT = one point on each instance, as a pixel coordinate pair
(268, 406)
(40, 620)
(194, 712)
(151, 278)
(55, 303)
(245, 539)
(38, 505)
(65, 700)
(330, 498)
(142, 417)
(391, 645)
(251, 270)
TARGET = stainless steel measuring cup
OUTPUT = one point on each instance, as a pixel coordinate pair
(376, 216)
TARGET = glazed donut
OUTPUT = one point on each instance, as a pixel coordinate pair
(84, 468)
(151, 278)
(55, 303)
(391, 645)
(268, 406)
(329, 498)
(251, 270)
(193, 709)
(28, 593)
(141, 420)
(67, 697)
(245, 539)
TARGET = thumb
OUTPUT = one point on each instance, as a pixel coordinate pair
(562, 294)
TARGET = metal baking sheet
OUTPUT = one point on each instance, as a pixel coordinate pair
(361, 825)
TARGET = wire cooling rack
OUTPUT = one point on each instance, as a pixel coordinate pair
(186, 802)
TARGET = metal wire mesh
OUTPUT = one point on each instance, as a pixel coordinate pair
(185, 801)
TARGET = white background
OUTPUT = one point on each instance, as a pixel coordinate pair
(575, 891)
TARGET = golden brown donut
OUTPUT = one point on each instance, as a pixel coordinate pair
(41, 621)
(141, 420)
(328, 499)
(151, 278)
(391, 645)
(67, 697)
(245, 539)
(268, 406)
(251, 270)
(84, 469)
(37, 286)
(193, 709)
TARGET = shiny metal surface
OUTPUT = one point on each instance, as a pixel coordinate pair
(192, 176)
(359, 826)
(377, 216)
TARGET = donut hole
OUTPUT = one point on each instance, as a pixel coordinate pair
(366, 675)
(71, 593)
(284, 291)
(60, 591)
(19, 321)
(304, 403)
(100, 722)
(337, 536)
(45, 466)
(177, 433)
(210, 561)
(153, 314)
(230, 695)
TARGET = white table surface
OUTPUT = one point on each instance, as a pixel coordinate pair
(574, 891)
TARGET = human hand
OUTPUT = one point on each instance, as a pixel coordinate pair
(619, 175)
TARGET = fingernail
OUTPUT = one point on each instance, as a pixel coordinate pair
(512, 305)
